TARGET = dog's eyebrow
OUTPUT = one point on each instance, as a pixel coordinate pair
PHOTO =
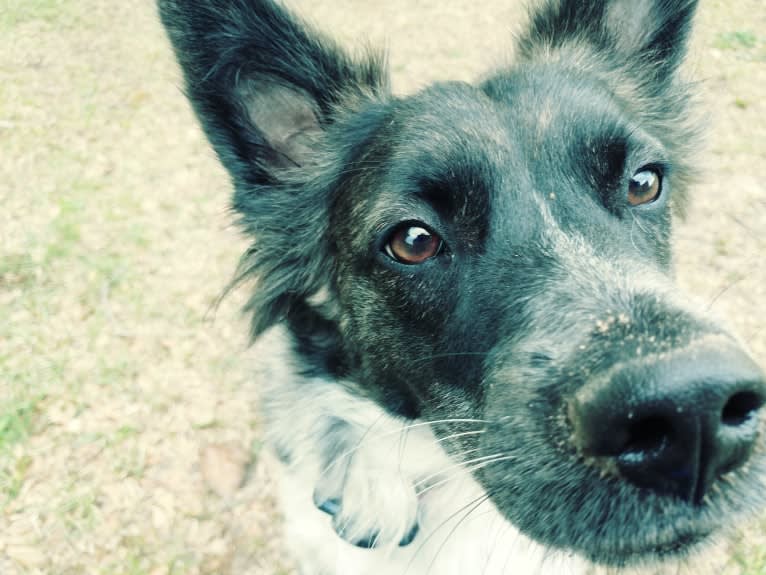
(448, 193)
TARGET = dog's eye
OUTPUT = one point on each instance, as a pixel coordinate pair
(645, 187)
(413, 244)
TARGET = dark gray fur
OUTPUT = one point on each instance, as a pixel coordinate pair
(549, 278)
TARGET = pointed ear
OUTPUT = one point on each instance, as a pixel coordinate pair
(649, 33)
(266, 89)
(262, 84)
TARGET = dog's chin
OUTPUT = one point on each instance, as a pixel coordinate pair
(655, 544)
(618, 525)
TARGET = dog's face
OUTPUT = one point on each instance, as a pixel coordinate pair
(496, 253)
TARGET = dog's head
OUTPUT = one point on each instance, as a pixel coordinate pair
(496, 252)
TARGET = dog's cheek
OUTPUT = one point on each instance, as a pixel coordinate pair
(534, 475)
(398, 331)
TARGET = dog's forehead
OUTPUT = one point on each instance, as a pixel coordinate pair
(555, 106)
(512, 118)
(447, 122)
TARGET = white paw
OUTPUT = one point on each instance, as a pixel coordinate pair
(371, 505)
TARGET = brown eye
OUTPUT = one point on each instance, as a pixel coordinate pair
(645, 187)
(413, 244)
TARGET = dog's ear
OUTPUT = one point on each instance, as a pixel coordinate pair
(649, 33)
(261, 83)
(267, 90)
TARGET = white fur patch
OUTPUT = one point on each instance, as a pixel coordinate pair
(460, 530)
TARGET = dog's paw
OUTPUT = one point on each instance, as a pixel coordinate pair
(369, 507)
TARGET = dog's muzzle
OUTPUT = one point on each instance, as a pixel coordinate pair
(673, 422)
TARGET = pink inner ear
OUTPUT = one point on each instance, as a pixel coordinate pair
(286, 118)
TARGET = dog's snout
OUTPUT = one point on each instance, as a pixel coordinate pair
(673, 423)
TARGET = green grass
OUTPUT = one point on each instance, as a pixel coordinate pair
(750, 557)
(736, 40)
(13, 474)
(16, 420)
(65, 229)
(15, 12)
(131, 462)
(78, 510)
(16, 270)
(101, 314)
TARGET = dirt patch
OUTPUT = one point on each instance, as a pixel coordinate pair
(121, 378)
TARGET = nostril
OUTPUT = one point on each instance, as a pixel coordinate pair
(740, 408)
(673, 423)
(647, 435)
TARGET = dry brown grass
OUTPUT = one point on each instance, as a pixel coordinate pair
(125, 399)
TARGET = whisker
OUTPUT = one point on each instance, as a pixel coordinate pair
(476, 501)
(635, 223)
(458, 465)
(721, 292)
(477, 504)
(440, 421)
(449, 467)
(461, 434)
(364, 440)
(464, 471)
(403, 435)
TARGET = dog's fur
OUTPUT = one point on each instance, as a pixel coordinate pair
(428, 416)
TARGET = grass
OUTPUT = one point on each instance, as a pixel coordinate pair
(16, 12)
(750, 556)
(115, 242)
(13, 474)
(16, 420)
(19, 413)
(16, 270)
(736, 40)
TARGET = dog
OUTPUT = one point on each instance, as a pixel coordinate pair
(474, 359)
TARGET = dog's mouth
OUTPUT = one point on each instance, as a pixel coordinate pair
(623, 526)
(682, 545)
(681, 539)
(618, 524)
(676, 547)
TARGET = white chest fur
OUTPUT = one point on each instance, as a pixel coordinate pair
(460, 530)
(461, 533)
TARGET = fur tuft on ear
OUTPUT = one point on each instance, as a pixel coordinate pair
(649, 33)
(267, 89)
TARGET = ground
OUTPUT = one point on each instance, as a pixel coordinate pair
(128, 428)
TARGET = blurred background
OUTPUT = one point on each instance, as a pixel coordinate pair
(128, 422)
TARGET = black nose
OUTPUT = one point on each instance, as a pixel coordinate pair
(673, 423)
